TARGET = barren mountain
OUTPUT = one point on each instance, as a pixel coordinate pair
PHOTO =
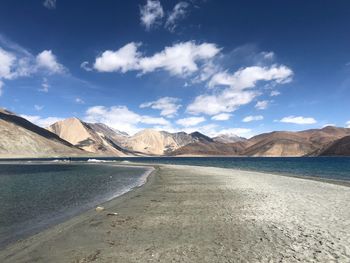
(228, 138)
(301, 143)
(94, 138)
(155, 142)
(340, 147)
(21, 138)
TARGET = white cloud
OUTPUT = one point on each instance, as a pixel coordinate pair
(249, 76)
(191, 121)
(121, 118)
(181, 59)
(235, 93)
(262, 105)
(151, 14)
(124, 59)
(79, 100)
(347, 124)
(7, 61)
(38, 107)
(224, 101)
(298, 120)
(40, 121)
(50, 4)
(168, 106)
(253, 118)
(47, 60)
(275, 93)
(179, 12)
(221, 117)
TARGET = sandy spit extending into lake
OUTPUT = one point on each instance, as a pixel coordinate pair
(201, 214)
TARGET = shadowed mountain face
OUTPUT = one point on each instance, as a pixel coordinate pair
(21, 138)
(95, 138)
(340, 147)
(210, 148)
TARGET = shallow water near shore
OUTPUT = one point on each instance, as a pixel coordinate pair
(35, 196)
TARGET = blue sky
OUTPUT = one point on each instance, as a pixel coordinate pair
(243, 67)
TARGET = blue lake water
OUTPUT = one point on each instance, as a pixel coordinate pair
(334, 168)
(35, 196)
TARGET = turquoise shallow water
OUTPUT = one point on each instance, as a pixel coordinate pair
(35, 196)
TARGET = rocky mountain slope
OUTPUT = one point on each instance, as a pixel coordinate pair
(153, 142)
(340, 147)
(228, 138)
(94, 138)
(21, 138)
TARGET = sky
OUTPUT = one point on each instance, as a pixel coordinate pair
(219, 67)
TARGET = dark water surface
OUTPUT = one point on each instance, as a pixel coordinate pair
(35, 196)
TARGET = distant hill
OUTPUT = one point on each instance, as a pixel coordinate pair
(21, 138)
(95, 138)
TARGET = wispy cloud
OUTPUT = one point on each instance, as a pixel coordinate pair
(16, 62)
(262, 105)
(79, 100)
(190, 121)
(179, 12)
(44, 85)
(168, 106)
(221, 117)
(298, 120)
(253, 118)
(38, 107)
(50, 4)
(238, 89)
(151, 14)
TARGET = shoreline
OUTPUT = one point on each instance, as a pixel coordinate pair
(199, 214)
(78, 211)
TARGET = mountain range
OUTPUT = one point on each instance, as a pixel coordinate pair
(74, 137)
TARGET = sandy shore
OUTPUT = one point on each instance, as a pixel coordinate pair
(201, 214)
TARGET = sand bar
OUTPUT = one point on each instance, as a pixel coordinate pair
(202, 214)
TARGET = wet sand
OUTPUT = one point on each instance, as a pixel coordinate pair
(204, 214)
